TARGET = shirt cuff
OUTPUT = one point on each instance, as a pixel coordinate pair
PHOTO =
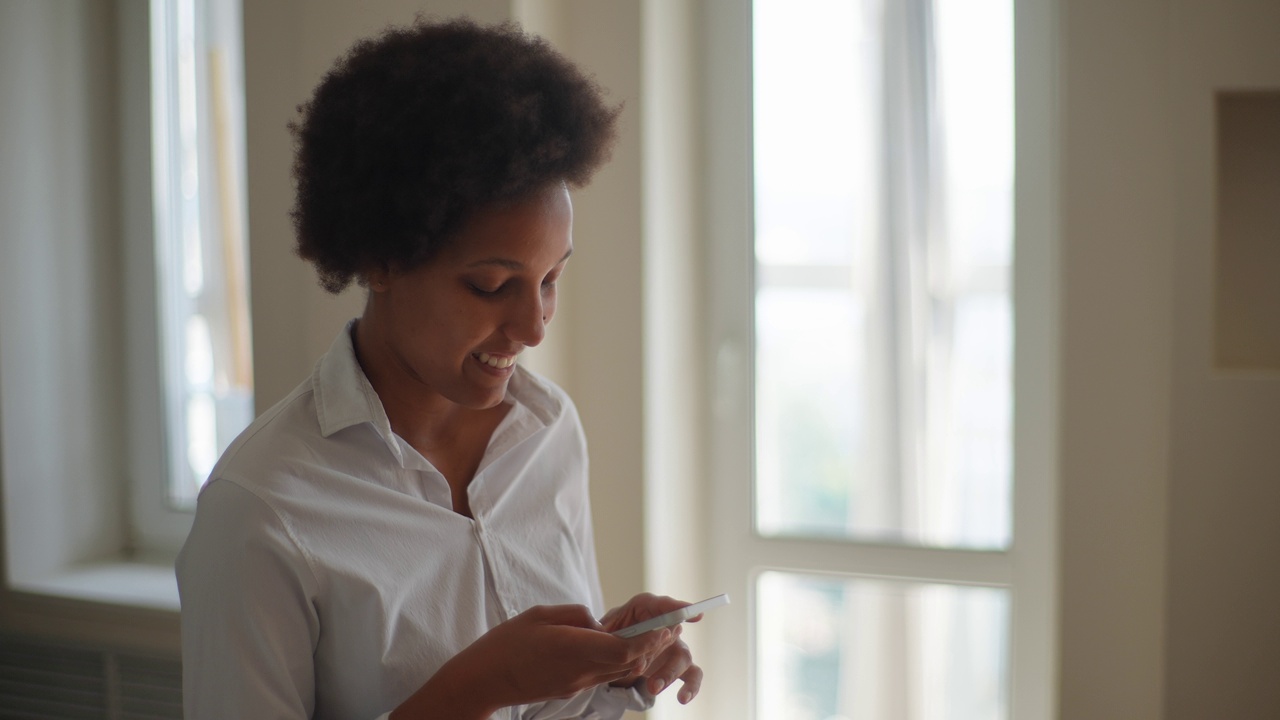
(602, 702)
(618, 700)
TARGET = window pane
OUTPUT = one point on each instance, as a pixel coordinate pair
(200, 246)
(809, 400)
(814, 137)
(974, 66)
(966, 492)
(855, 649)
(883, 170)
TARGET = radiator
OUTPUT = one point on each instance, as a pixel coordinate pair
(45, 681)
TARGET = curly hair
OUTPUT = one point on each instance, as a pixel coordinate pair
(414, 131)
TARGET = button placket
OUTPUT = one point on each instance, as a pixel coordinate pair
(492, 560)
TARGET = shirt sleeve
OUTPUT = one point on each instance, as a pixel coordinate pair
(612, 702)
(249, 627)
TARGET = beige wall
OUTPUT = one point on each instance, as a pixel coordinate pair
(1223, 577)
(1171, 467)
(289, 45)
(1116, 262)
(1171, 475)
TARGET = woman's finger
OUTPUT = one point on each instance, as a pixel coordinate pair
(691, 683)
(670, 665)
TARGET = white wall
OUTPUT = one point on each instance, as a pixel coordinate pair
(61, 328)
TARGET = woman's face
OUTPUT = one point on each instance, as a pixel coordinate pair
(454, 326)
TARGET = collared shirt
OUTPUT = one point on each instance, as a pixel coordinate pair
(327, 575)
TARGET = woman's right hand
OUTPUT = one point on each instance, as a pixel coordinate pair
(548, 651)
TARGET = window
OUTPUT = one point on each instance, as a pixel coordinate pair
(865, 360)
(127, 259)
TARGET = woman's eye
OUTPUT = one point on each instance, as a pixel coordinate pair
(484, 291)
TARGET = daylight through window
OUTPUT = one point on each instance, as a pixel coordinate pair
(883, 207)
(200, 239)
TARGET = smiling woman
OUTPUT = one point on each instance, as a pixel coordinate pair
(409, 531)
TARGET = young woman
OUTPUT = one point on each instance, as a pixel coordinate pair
(408, 533)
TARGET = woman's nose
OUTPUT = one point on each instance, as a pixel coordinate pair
(528, 324)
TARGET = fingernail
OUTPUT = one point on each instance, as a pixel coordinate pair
(658, 685)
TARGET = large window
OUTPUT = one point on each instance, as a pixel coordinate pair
(866, 359)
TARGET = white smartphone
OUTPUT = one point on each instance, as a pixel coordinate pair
(675, 617)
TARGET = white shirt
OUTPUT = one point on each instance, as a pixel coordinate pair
(327, 575)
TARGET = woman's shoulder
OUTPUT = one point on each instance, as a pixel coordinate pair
(286, 427)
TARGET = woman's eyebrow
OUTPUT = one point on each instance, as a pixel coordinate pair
(510, 264)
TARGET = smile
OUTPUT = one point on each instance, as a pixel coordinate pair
(495, 361)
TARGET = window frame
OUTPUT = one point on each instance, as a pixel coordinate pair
(738, 554)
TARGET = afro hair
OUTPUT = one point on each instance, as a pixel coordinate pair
(414, 131)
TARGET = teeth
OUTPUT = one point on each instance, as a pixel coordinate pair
(496, 362)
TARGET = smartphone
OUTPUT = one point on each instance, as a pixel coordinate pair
(675, 617)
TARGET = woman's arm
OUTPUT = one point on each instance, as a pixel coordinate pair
(248, 624)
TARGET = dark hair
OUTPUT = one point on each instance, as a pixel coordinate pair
(415, 130)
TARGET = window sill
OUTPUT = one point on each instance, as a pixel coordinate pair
(148, 585)
(127, 605)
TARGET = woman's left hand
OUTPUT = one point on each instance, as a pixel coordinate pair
(668, 663)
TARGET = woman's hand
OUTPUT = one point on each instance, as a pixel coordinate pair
(546, 652)
(672, 661)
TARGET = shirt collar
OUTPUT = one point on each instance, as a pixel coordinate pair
(345, 397)
(343, 394)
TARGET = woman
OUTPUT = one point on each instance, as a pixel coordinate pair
(408, 534)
